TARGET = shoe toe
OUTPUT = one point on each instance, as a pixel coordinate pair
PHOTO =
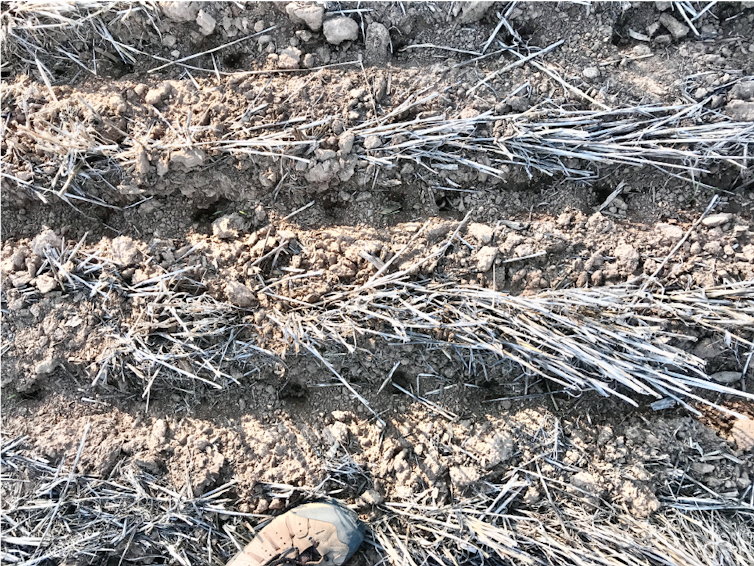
(350, 530)
(334, 531)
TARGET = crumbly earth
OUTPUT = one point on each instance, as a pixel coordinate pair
(234, 221)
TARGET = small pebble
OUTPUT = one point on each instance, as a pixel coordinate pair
(591, 73)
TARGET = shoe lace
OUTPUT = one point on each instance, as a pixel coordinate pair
(283, 559)
(294, 562)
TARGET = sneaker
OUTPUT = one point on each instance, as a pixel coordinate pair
(316, 533)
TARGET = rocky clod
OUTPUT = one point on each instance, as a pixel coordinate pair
(340, 29)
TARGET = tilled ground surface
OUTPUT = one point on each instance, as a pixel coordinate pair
(180, 237)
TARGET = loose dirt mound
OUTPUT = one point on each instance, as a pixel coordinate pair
(484, 271)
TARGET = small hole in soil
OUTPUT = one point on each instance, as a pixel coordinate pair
(526, 30)
(293, 390)
(211, 213)
(442, 202)
(104, 215)
(117, 68)
(233, 60)
(397, 196)
(601, 192)
(620, 34)
(402, 380)
(329, 202)
(31, 395)
(397, 40)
